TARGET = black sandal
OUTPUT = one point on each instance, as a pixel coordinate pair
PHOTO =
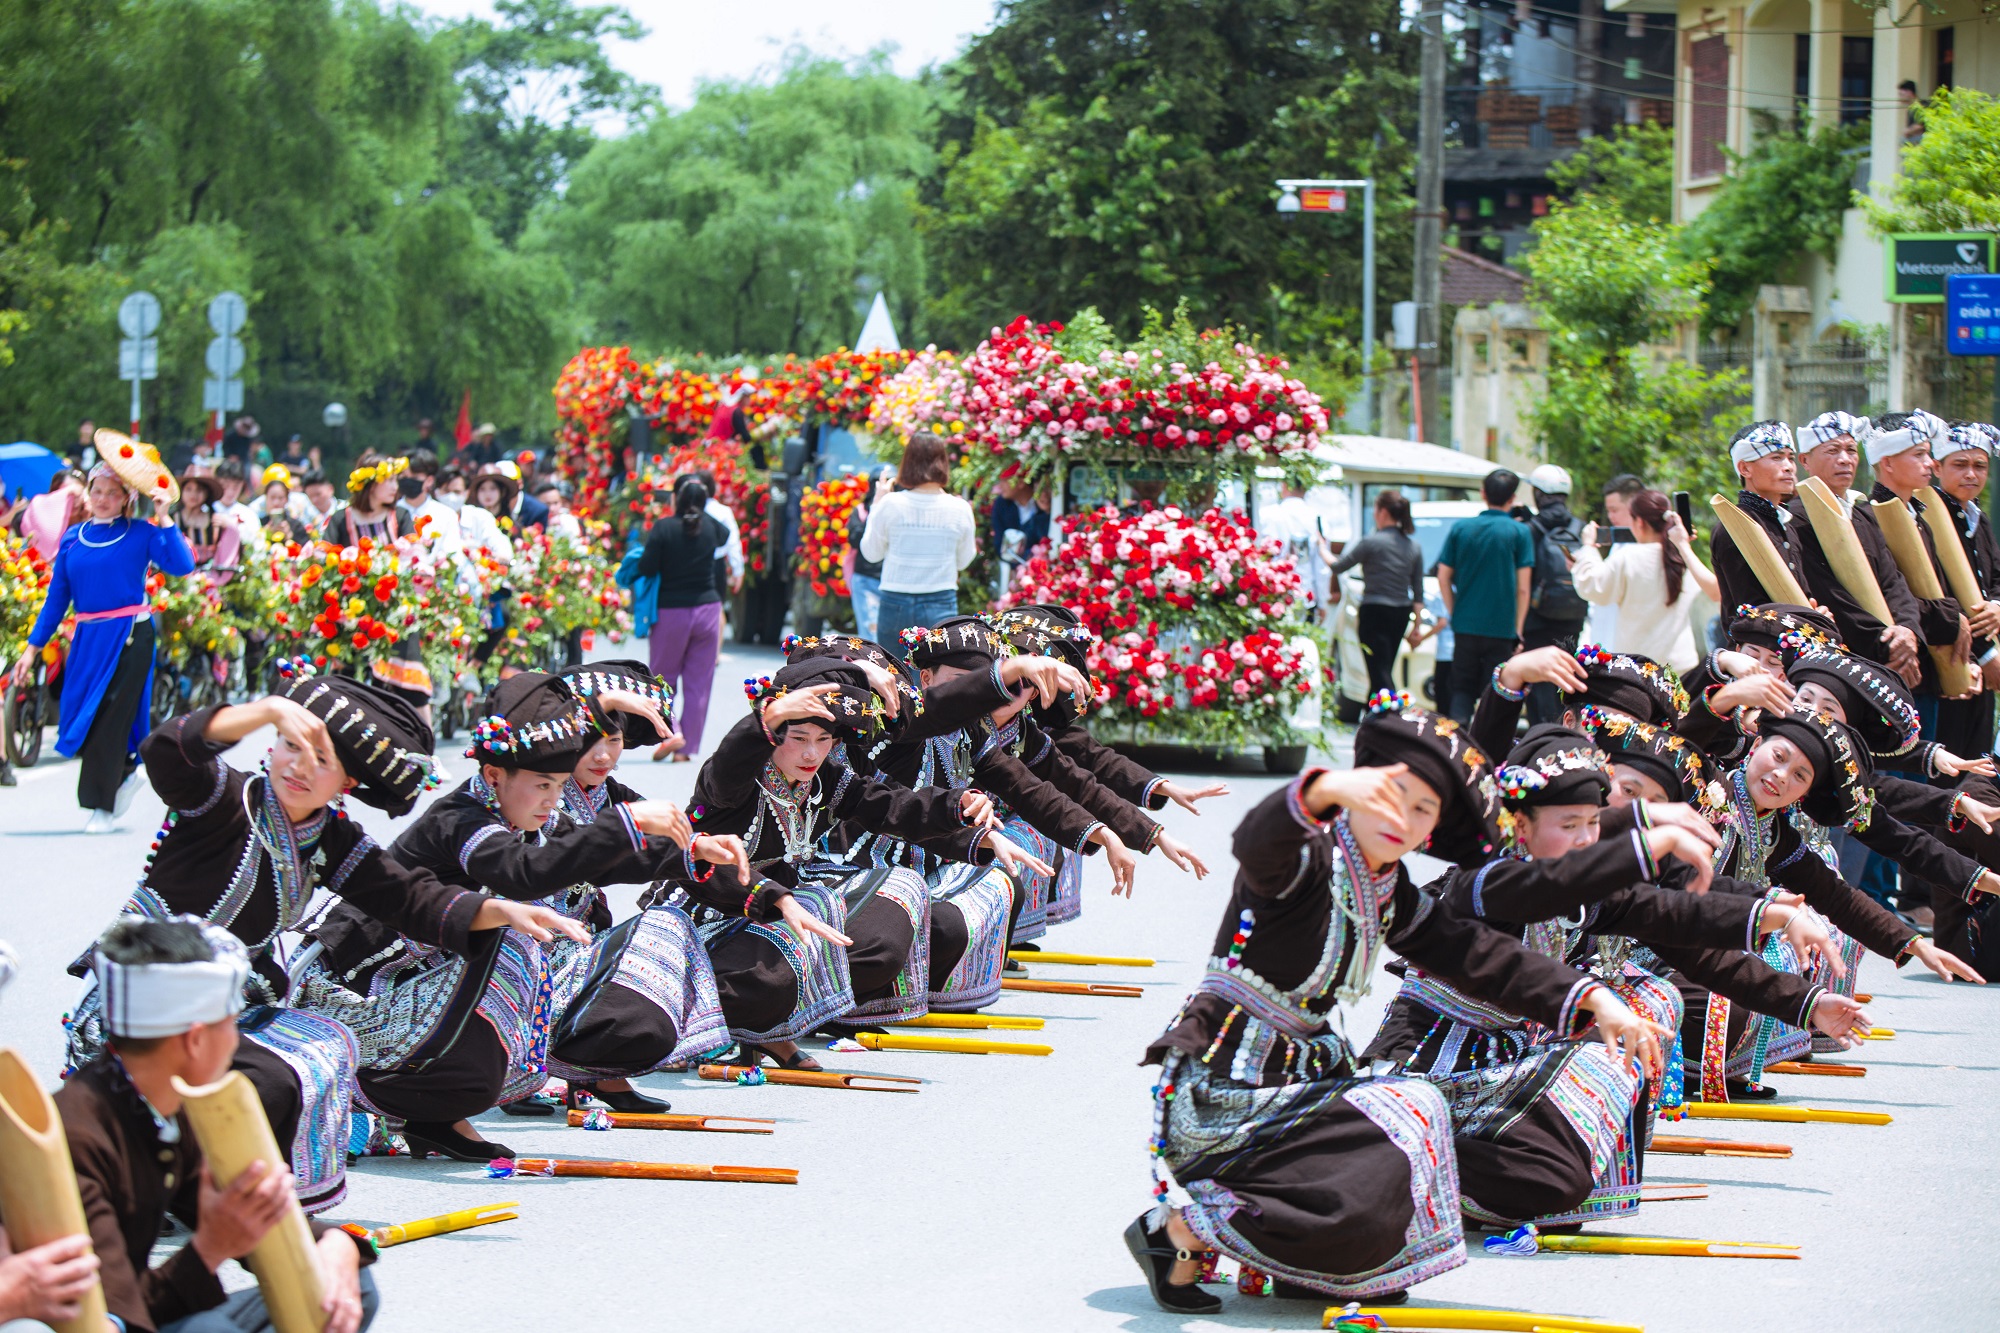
(534, 1104)
(1742, 1090)
(754, 1055)
(436, 1136)
(1156, 1257)
(631, 1101)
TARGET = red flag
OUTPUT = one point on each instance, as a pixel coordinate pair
(464, 432)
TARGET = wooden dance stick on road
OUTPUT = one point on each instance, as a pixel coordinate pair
(713, 1124)
(1687, 1146)
(896, 1041)
(443, 1224)
(1497, 1321)
(229, 1121)
(1078, 959)
(1015, 1022)
(1073, 988)
(1899, 528)
(1835, 530)
(1951, 555)
(1758, 552)
(1668, 1193)
(809, 1078)
(39, 1202)
(1831, 1071)
(1793, 1115)
(503, 1168)
(1674, 1245)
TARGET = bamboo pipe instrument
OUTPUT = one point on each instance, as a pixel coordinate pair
(1688, 1146)
(896, 1041)
(810, 1078)
(1698, 1249)
(1496, 1321)
(1078, 959)
(443, 1224)
(229, 1121)
(1755, 545)
(1832, 1071)
(39, 1202)
(1073, 988)
(502, 1168)
(1899, 529)
(649, 1120)
(1668, 1193)
(1951, 554)
(1793, 1115)
(1835, 530)
(1016, 1022)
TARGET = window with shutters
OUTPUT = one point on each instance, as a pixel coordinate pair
(1708, 106)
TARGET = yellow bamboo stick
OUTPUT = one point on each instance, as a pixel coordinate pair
(1796, 1115)
(1879, 1034)
(1497, 1321)
(1835, 530)
(462, 1220)
(1015, 1022)
(1668, 1245)
(957, 1045)
(1755, 546)
(1078, 959)
(1906, 544)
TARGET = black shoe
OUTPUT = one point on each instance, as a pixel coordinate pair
(839, 1030)
(533, 1104)
(1156, 1256)
(755, 1055)
(631, 1101)
(427, 1137)
(1742, 1091)
(1014, 967)
(1024, 948)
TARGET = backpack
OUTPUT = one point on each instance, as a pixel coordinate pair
(1551, 589)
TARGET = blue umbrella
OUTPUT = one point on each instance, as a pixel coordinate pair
(25, 468)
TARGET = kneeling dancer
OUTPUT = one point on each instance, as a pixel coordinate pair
(1288, 1154)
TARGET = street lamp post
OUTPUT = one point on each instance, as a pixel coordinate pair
(1330, 196)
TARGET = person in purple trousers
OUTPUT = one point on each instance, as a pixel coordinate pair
(681, 551)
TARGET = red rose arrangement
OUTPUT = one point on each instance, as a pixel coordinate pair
(838, 389)
(353, 606)
(1195, 617)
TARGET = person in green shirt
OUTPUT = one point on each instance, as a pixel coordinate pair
(1482, 576)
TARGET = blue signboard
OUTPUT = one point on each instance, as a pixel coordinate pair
(1972, 314)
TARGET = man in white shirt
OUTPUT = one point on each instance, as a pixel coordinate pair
(435, 517)
(732, 550)
(1294, 522)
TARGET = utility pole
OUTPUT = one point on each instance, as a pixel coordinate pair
(1430, 215)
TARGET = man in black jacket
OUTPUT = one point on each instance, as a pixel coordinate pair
(1556, 611)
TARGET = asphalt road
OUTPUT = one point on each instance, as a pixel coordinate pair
(993, 1199)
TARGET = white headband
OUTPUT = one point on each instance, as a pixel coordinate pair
(1966, 435)
(1828, 426)
(1921, 429)
(166, 999)
(1764, 438)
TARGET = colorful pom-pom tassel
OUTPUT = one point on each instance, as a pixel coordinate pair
(598, 1118)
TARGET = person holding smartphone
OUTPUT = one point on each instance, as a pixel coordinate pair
(1651, 581)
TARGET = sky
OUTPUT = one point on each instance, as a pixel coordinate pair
(693, 40)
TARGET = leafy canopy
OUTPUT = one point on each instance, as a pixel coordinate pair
(1950, 179)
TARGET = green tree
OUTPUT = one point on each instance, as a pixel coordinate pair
(1632, 170)
(1950, 178)
(1784, 199)
(1122, 155)
(762, 219)
(531, 89)
(1609, 289)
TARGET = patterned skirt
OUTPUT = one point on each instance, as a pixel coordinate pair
(889, 920)
(1285, 1179)
(981, 897)
(639, 998)
(777, 986)
(1037, 890)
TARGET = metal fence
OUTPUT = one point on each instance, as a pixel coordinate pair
(1844, 375)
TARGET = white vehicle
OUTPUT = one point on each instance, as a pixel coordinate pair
(1415, 669)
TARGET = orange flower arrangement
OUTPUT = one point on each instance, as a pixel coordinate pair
(823, 515)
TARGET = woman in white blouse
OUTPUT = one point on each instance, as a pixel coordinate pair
(923, 537)
(1651, 580)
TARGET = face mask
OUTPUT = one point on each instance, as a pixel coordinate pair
(455, 503)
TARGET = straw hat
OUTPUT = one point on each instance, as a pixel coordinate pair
(138, 465)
